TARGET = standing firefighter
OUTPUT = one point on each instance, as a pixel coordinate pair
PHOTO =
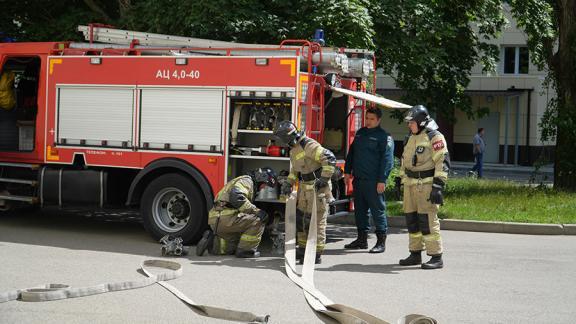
(424, 171)
(312, 166)
(237, 225)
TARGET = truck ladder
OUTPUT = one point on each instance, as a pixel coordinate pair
(348, 62)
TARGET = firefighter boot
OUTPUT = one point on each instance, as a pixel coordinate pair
(318, 259)
(300, 255)
(360, 243)
(247, 254)
(205, 243)
(415, 258)
(434, 263)
(380, 243)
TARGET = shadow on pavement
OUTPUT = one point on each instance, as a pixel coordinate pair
(120, 231)
(109, 231)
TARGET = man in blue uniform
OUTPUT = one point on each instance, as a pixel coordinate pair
(369, 162)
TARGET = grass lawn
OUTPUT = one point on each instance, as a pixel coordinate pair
(498, 200)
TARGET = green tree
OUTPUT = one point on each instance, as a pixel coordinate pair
(429, 47)
(53, 20)
(551, 29)
(346, 22)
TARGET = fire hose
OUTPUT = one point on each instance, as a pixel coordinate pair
(329, 311)
(50, 292)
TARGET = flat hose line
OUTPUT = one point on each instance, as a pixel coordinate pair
(50, 292)
(328, 311)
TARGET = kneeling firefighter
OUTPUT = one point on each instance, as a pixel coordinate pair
(236, 223)
(312, 166)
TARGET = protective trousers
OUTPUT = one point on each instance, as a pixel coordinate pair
(235, 231)
(366, 197)
(422, 219)
(304, 212)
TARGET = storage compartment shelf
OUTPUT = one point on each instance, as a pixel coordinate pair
(254, 131)
(260, 157)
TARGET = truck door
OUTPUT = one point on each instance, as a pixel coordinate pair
(19, 80)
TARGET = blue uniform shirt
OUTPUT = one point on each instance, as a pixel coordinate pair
(371, 155)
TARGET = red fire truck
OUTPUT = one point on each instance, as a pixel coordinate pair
(163, 122)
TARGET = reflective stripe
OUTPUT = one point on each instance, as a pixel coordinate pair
(250, 238)
(299, 156)
(416, 235)
(223, 246)
(328, 168)
(319, 152)
(432, 237)
(245, 206)
(441, 174)
(224, 212)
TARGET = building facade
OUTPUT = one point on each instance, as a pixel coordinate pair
(515, 98)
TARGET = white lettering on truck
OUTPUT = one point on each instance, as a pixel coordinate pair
(177, 74)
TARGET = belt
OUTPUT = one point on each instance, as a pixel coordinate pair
(419, 174)
(311, 176)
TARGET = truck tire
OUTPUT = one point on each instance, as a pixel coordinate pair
(173, 204)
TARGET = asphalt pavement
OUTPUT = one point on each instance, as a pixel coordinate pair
(488, 278)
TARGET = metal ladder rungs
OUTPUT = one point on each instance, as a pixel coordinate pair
(28, 182)
(31, 200)
(20, 165)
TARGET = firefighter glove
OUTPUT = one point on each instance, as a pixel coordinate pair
(436, 196)
(321, 183)
(263, 215)
(286, 188)
(397, 187)
(397, 182)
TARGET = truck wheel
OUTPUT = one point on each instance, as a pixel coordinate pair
(173, 204)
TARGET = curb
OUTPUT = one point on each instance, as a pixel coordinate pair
(479, 226)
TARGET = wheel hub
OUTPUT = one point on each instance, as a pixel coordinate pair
(171, 210)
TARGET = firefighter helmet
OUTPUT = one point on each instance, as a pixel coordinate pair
(419, 114)
(287, 133)
(264, 176)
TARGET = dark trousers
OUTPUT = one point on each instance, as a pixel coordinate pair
(366, 198)
(478, 157)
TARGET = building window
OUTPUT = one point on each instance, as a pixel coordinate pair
(516, 60)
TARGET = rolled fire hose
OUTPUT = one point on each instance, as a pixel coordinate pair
(50, 292)
(328, 310)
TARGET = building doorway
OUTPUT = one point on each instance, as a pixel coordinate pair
(491, 125)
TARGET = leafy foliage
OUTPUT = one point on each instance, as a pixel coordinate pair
(429, 47)
(551, 29)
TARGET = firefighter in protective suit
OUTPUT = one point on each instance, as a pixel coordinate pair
(312, 166)
(236, 223)
(423, 172)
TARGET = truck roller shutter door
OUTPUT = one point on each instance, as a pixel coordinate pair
(95, 114)
(183, 118)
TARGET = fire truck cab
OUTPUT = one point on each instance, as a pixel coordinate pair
(162, 123)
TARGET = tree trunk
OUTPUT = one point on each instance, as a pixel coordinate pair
(564, 69)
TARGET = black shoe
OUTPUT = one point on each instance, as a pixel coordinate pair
(414, 258)
(360, 243)
(300, 255)
(247, 254)
(317, 260)
(380, 244)
(434, 263)
(205, 242)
